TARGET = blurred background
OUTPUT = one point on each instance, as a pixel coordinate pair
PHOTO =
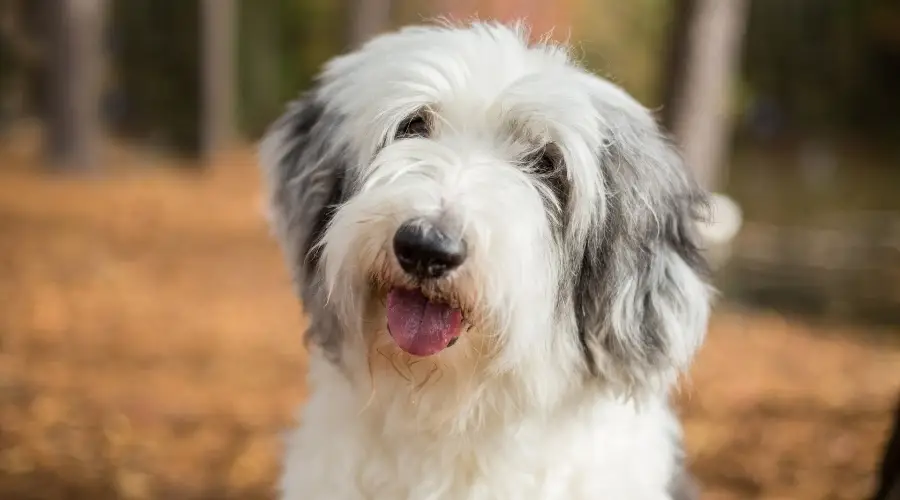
(149, 338)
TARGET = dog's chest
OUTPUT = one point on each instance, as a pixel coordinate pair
(337, 454)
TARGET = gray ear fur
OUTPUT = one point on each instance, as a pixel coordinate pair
(306, 166)
(641, 300)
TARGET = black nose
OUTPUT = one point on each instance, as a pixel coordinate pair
(425, 251)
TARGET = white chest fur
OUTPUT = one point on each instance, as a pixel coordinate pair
(598, 449)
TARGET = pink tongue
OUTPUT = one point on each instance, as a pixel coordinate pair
(418, 326)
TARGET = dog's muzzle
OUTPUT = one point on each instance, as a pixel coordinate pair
(419, 324)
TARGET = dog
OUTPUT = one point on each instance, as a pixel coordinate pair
(496, 251)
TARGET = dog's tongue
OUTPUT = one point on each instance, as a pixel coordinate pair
(419, 326)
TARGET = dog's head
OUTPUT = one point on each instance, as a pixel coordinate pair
(456, 194)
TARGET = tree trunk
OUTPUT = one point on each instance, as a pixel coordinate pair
(218, 79)
(76, 68)
(677, 45)
(701, 116)
(367, 19)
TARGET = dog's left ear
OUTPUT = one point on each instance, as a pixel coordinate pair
(641, 297)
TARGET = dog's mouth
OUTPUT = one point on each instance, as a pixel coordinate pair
(419, 325)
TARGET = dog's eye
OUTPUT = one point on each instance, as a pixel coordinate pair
(414, 126)
(547, 165)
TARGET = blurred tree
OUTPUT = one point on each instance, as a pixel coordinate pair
(219, 78)
(261, 68)
(22, 58)
(282, 45)
(77, 67)
(701, 114)
(676, 45)
(826, 67)
(156, 54)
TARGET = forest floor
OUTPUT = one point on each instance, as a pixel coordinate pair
(150, 348)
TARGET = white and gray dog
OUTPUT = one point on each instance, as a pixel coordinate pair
(496, 252)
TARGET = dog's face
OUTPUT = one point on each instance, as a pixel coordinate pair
(458, 195)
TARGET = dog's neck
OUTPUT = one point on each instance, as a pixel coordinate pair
(396, 391)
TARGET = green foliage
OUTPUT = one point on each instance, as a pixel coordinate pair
(283, 44)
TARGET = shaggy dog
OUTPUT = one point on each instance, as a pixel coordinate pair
(495, 249)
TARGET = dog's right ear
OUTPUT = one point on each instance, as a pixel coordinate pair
(305, 163)
(305, 166)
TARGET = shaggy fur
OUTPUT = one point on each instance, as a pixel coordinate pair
(582, 293)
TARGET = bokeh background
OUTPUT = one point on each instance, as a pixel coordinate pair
(149, 338)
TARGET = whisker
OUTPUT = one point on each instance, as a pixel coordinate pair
(393, 363)
(422, 384)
